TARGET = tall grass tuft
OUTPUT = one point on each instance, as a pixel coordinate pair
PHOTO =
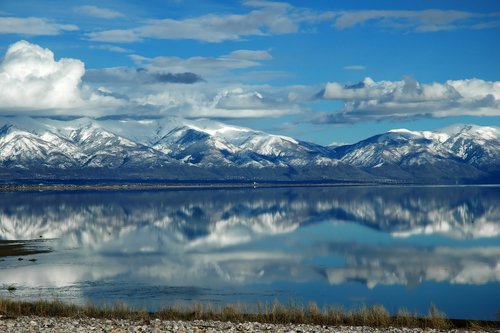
(405, 318)
(437, 319)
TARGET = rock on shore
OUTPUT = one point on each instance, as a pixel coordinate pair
(43, 324)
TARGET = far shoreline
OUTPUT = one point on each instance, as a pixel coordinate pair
(180, 185)
(108, 186)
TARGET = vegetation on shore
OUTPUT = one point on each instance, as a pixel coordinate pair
(276, 313)
(21, 248)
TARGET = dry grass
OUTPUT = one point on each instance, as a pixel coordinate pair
(373, 316)
(21, 248)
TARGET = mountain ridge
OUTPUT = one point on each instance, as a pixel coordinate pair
(173, 148)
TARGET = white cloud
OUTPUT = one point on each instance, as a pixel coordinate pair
(117, 36)
(251, 54)
(418, 21)
(98, 12)
(205, 66)
(112, 48)
(230, 102)
(268, 18)
(31, 79)
(34, 26)
(354, 68)
(370, 100)
(475, 88)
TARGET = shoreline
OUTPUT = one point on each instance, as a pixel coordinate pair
(161, 186)
(271, 315)
(206, 186)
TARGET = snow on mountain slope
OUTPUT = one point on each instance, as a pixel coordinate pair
(392, 147)
(456, 153)
(22, 149)
(114, 143)
(74, 143)
(472, 145)
(477, 145)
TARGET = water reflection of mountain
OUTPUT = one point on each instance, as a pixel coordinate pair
(225, 217)
(195, 238)
(90, 217)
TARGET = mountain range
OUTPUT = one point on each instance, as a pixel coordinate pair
(176, 149)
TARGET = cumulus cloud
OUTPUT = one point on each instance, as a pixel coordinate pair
(268, 18)
(370, 100)
(34, 26)
(100, 12)
(418, 21)
(30, 78)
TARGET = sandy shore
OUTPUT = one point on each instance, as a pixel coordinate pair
(44, 324)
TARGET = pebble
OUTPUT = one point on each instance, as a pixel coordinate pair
(43, 325)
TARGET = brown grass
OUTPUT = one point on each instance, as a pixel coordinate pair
(21, 248)
(277, 313)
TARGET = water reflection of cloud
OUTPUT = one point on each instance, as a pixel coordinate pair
(57, 275)
(166, 264)
(411, 265)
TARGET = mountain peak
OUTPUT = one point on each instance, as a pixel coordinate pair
(485, 132)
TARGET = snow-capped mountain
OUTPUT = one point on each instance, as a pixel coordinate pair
(477, 145)
(166, 148)
(460, 152)
(180, 149)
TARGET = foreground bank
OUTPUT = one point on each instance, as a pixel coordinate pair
(56, 316)
(67, 324)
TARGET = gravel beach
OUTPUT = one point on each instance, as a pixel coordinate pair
(44, 324)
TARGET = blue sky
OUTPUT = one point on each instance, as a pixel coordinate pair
(322, 71)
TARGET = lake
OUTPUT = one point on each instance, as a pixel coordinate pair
(403, 247)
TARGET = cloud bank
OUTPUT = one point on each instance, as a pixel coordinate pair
(32, 81)
(418, 21)
(276, 18)
(371, 100)
(265, 18)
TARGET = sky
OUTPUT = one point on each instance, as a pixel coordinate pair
(321, 71)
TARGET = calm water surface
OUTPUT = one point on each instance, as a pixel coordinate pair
(397, 246)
